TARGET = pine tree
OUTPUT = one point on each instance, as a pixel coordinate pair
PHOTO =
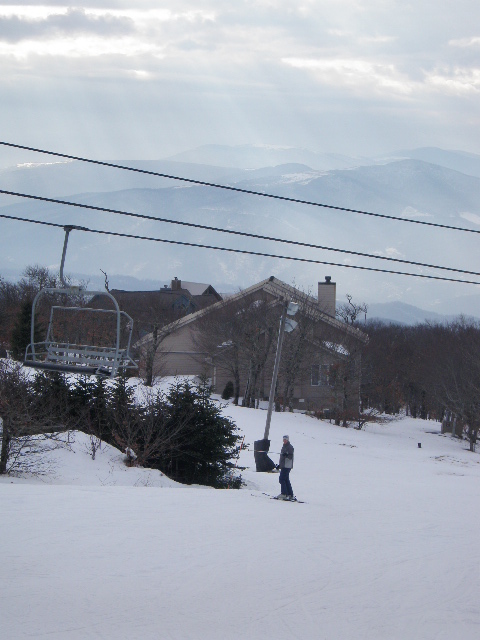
(207, 442)
(228, 391)
(120, 396)
(21, 333)
(89, 406)
(52, 395)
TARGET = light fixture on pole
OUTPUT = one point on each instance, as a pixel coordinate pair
(261, 447)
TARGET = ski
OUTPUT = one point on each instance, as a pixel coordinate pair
(280, 499)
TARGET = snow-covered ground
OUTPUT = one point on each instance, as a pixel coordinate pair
(385, 548)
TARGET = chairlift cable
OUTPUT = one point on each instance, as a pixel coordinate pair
(238, 189)
(246, 234)
(244, 251)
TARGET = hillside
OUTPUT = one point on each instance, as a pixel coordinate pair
(383, 548)
(468, 163)
(401, 313)
(250, 156)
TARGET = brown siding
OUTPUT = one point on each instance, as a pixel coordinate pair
(178, 355)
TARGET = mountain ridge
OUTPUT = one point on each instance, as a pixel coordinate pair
(404, 188)
(407, 314)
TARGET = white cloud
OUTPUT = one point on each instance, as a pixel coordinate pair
(49, 23)
(80, 47)
(140, 74)
(457, 82)
(376, 39)
(391, 252)
(355, 73)
(471, 217)
(14, 28)
(410, 212)
(466, 42)
(278, 71)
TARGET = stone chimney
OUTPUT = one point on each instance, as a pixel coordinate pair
(176, 284)
(327, 296)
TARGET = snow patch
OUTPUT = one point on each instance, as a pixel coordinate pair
(387, 529)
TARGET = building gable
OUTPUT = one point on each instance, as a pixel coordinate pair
(277, 291)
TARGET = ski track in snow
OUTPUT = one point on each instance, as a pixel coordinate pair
(385, 547)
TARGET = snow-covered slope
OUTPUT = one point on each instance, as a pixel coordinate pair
(384, 548)
(72, 462)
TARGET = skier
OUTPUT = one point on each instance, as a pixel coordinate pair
(285, 465)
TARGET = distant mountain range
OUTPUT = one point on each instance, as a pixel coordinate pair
(427, 185)
(402, 313)
(250, 156)
(259, 156)
(462, 161)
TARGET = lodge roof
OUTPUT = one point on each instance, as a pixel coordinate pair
(277, 289)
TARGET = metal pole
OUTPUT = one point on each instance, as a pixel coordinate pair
(281, 332)
(67, 230)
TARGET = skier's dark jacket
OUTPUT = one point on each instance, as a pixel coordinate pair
(286, 457)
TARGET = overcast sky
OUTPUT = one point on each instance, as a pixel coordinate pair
(143, 79)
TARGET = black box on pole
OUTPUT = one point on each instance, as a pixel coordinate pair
(262, 461)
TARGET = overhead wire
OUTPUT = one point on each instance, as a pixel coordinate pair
(196, 225)
(237, 189)
(240, 233)
(241, 251)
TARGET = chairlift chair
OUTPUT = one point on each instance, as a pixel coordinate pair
(57, 353)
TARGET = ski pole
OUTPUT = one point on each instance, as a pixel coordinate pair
(277, 453)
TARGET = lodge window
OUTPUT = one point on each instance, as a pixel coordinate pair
(320, 375)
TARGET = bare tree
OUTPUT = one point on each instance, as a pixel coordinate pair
(154, 319)
(345, 382)
(220, 335)
(34, 278)
(350, 311)
(259, 328)
(146, 433)
(237, 336)
(298, 352)
(18, 297)
(399, 367)
(148, 349)
(456, 373)
(29, 425)
(10, 304)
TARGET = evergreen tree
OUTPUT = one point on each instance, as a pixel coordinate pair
(207, 441)
(101, 421)
(21, 333)
(122, 412)
(52, 394)
(32, 413)
(121, 396)
(89, 406)
(228, 391)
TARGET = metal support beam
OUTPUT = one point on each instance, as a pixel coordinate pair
(278, 355)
